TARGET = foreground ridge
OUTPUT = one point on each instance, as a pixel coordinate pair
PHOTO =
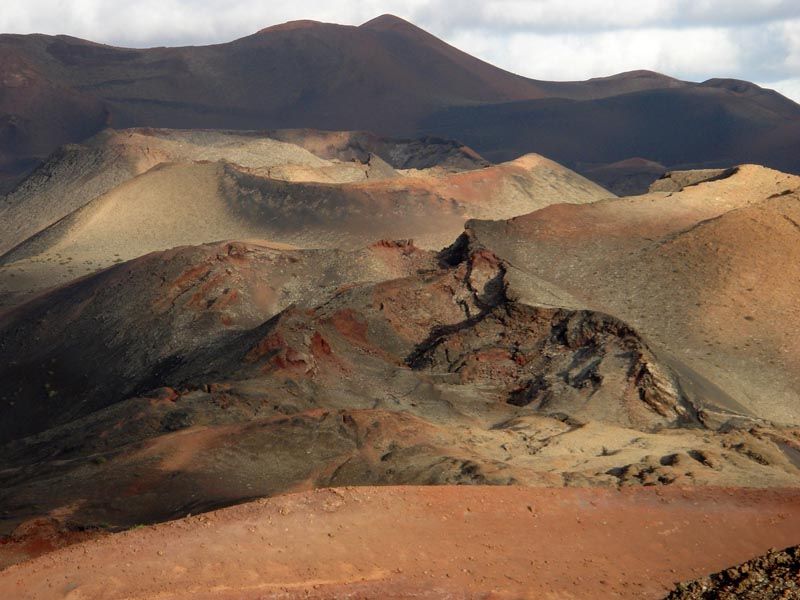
(462, 542)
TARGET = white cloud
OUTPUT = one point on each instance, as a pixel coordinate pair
(580, 56)
(758, 40)
(558, 16)
(788, 87)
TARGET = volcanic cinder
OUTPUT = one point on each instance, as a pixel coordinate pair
(298, 362)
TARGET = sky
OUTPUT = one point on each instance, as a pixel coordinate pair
(756, 40)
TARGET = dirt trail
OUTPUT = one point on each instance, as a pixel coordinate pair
(426, 542)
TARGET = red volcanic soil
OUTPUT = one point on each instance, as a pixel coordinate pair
(40, 536)
(427, 542)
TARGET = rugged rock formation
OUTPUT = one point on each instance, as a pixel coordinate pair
(165, 383)
(675, 181)
(774, 576)
(708, 275)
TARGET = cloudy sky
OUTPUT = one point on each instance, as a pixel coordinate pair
(757, 40)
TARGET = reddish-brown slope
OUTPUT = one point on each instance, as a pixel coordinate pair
(448, 542)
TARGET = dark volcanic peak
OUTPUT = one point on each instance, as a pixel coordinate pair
(734, 85)
(386, 76)
(292, 25)
(769, 99)
(389, 22)
(637, 74)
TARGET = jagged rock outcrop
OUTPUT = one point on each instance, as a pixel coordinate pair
(774, 576)
(675, 181)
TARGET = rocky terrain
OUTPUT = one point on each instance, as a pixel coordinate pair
(390, 77)
(123, 412)
(193, 320)
(773, 576)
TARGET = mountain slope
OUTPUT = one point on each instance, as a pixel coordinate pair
(693, 126)
(386, 76)
(77, 174)
(708, 274)
(158, 387)
(642, 341)
(306, 74)
(127, 193)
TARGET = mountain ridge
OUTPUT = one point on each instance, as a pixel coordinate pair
(387, 76)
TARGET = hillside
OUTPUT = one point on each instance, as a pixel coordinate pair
(152, 388)
(694, 126)
(708, 273)
(126, 193)
(467, 543)
(564, 338)
(386, 76)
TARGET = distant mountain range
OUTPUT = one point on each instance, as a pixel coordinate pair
(389, 77)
